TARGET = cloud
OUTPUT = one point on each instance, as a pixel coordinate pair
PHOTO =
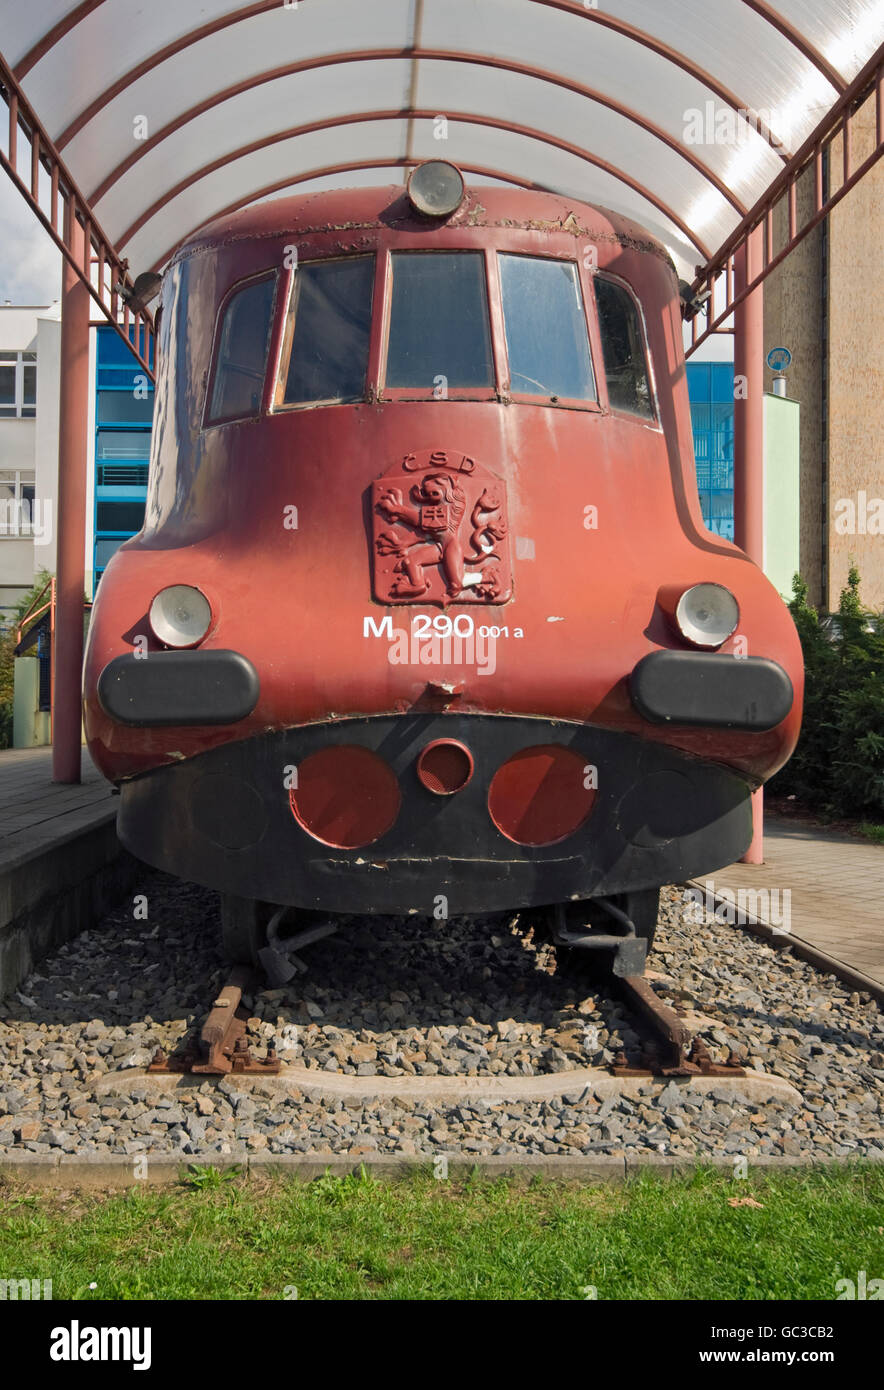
(30, 262)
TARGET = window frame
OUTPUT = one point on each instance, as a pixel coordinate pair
(653, 420)
(18, 479)
(592, 342)
(104, 422)
(490, 392)
(16, 359)
(282, 329)
(281, 352)
(267, 273)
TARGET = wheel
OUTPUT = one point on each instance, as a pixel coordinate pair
(243, 928)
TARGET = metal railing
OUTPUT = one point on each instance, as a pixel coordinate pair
(717, 278)
(58, 203)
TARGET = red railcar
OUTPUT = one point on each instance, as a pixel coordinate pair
(424, 611)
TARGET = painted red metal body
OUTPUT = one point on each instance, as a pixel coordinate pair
(597, 510)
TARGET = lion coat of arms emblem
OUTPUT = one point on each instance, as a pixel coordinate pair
(440, 532)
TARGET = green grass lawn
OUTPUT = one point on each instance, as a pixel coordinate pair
(872, 832)
(354, 1238)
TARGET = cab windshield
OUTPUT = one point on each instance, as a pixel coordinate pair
(546, 338)
(437, 339)
(440, 336)
(626, 369)
(328, 330)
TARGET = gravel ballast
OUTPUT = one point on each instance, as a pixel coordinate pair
(413, 998)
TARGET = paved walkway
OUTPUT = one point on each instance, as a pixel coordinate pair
(35, 811)
(836, 883)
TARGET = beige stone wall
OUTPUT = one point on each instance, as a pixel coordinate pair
(856, 365)
(851, 461)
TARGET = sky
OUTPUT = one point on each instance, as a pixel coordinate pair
(30, 264)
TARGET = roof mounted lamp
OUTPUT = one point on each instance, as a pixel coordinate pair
(146, 287)
(435, 188)
(692, 303)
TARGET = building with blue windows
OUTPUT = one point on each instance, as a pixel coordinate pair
(711, 392)
(123, 416)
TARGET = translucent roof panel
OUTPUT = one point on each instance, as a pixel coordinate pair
(679, 115)
(845, 34)
(255, 117)
(254, 174)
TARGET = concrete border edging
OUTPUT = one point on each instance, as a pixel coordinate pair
(118, 1171)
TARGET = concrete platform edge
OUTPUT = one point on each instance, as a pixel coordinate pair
(56, 892)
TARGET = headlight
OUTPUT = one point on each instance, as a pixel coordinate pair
(435, 188)
(180, 616)
(706, 615)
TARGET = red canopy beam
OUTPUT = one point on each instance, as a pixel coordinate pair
(444, 55)
(749, 442)
(73, 428)
(224, 21)
(81, 238)
(798, 40)
(836, 122)
(761, 8)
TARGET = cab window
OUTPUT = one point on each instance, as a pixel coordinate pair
(546, 338)
(241, 353)
(329, 329)
(440, 335)
(626, 368)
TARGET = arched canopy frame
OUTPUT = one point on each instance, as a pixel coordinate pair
(693, 121)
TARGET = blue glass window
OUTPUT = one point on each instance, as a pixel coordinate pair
(125, 407)
(123, 418)
(711, 393)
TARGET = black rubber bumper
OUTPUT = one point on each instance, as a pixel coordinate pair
(718, 691)
(178, 688)
(224, 820)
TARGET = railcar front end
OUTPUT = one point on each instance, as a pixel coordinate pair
(424, 609)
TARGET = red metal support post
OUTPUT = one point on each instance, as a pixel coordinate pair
(749, 442)
(71, 521)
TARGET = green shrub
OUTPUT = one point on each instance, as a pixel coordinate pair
(838, 766)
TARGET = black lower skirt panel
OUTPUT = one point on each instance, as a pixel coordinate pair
(223, 820)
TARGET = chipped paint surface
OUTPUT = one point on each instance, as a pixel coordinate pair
(472, 214)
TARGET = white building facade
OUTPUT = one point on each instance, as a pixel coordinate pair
(30, 342)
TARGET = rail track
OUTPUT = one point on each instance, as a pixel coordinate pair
(672, 1049)
(434, 1038)
(220, 1046)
